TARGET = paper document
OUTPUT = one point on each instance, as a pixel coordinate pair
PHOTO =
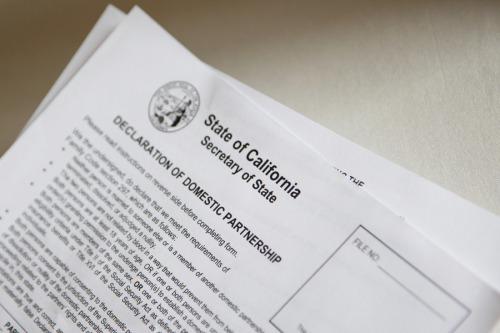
(151, 195)
(466, 231)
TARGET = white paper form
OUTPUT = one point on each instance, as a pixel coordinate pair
(464, 230)
(90, 209)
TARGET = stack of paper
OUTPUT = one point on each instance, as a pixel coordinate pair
(150, 192)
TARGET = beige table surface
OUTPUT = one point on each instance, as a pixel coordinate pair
(417, 82)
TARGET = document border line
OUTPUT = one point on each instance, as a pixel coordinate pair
(459, 303)
(13, 318)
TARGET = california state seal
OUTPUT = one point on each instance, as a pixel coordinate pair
(173, 106)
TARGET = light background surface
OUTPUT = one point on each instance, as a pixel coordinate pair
(417, 82)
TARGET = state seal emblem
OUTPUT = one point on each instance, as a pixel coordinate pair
(173, 106)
